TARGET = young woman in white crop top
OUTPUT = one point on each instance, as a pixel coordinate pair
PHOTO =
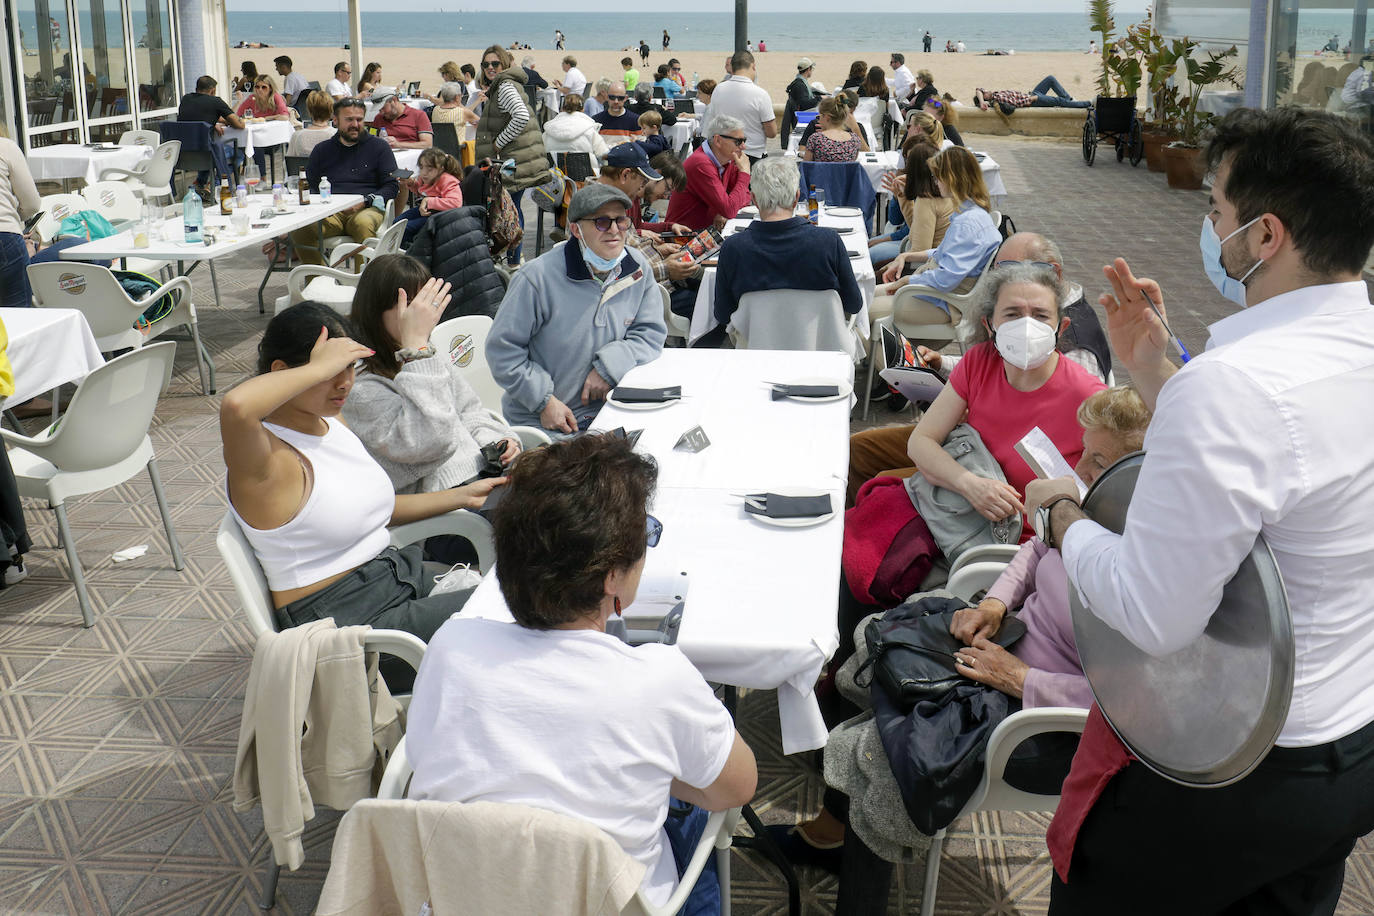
(311, 501)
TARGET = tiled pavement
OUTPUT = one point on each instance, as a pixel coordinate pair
(117, 743)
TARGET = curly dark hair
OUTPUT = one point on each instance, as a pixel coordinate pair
(574, 512)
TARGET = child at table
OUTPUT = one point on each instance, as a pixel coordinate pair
(438, 189)
(653, 142)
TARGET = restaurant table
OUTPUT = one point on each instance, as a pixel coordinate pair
(550, 101)
(856, 240)
(168, 243)
(67, 161)
(680, 133)
(760, 607)
(47, 348)
(260, 133)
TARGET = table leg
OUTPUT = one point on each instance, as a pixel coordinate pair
(214, 282)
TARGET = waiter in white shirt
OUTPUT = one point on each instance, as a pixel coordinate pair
(1268, 432)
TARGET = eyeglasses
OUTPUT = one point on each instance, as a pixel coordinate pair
(617, 98)
(491, 65)
(738, 141)
(603, 223)
(653, 530)
(1042, 264)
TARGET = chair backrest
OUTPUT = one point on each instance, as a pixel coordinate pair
(41, 111)
(302, 106)
(389, 241)
(88, 288)
(113, 200)
(577, 166)
(108, 417)
(294, 164)
(677, 325)
(56, 208)
(446, 139)
(161, 166)
(139, 138)
(791, 319)
(193, 135)
(846, 184)
(660, 92)
(463, 342)
(246, 573)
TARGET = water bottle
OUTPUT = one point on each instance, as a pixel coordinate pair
(278, 197)
(192, 217)
(382, 133)
(694, 79)
(241, 197)
(324, 189)
(820, 202)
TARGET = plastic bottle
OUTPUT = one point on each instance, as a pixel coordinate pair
(192, 216)
(382, 133)
(278, 196)
(303, 189)
(694, 79)
(812, 206)
(325, 192)
(241, 197)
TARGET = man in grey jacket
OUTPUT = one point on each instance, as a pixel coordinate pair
(577, 319)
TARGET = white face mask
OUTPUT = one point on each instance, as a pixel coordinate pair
(1210, 245)
(1026, 342)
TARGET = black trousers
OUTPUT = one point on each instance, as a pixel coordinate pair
(1274, 843)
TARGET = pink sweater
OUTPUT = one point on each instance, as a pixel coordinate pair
(444, 194)
(1036, 580)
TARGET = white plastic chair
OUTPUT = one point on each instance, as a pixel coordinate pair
(715, 837)
(387, 241)
(101, 442)
(931, 326)
(116, 201)
(975, 572)
(792, 319)
(332, 244)
(677, 325)
(94, 291)
(463, 342)
(139, 138)
(153, 176)
(56, 208)
(335, 288)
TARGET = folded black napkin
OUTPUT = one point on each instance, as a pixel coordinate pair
(856, 254)
(804, 391)
(647, 395)
(775, 506)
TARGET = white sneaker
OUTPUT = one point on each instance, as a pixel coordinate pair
(15, 573)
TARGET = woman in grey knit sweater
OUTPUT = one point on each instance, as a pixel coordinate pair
(410, 406)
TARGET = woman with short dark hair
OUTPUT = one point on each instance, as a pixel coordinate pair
(553, 711)
(857, 71)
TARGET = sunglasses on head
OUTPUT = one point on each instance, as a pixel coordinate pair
(603, 223)
(1043, 264)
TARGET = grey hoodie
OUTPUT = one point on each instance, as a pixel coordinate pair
(557, 323)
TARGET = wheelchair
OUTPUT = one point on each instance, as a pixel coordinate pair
(1114, 120)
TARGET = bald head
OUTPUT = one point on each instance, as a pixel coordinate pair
(1031, 246)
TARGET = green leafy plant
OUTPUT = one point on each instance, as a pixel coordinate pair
(1100, 21)
(1216, 67)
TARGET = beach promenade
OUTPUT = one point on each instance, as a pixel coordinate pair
(117, 743)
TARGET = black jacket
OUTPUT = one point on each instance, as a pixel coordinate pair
(453, 245)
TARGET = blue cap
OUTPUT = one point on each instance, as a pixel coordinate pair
(632, 156)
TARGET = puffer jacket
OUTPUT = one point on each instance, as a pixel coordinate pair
(574, 132)
(453, 245)
(527, 149)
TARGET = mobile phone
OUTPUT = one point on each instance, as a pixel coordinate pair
(33, 221)
(402, 173)
(261, 225)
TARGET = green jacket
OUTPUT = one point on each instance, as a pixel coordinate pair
(527, 149)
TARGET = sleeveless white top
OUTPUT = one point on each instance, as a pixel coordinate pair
(343, 521)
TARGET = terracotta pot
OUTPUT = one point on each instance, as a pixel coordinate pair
(1154, 143)
(1183, 166)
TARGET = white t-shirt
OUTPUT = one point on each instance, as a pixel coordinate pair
(902, 81)
(337, 89)
(738, 97)
(292, 86)
(961, 47)
(572, 721)
(574, 81)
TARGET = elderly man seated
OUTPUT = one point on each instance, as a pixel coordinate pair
(780, 250)
(575, 320)
(717, 178)
(617, 124)
(355, 162)
(406, 127)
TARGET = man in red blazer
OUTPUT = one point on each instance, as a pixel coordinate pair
(717, 178)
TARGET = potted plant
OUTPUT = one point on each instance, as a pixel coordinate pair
(1117, 86)
(1183, 157)
(1159, 63)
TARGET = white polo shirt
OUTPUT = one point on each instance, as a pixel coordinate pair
(574, 81)
(1266, 432)
(337, 89)
(738, 97)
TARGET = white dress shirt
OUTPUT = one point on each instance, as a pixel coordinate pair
(739, 97)
(902, 81)
(1268, 431)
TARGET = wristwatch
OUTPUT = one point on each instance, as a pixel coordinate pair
(410, 354)
(1041, 522)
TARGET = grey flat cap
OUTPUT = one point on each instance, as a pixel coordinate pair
(593, 197)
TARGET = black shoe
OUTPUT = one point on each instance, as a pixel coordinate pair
(799, 851)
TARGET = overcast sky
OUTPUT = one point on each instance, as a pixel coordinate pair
(706, 6)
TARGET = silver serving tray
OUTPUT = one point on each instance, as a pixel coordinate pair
(1209, 713)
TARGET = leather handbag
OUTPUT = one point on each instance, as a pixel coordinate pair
(911, 650)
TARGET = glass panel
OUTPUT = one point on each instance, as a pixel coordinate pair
(1209, 21)
(153, 54)
(1323, 57)
(44, 36)
(102, 52)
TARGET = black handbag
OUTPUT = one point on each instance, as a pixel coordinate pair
(911, 650)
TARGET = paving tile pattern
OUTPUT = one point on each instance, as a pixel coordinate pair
(117, 743)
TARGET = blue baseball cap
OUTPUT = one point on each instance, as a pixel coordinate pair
(632, 156)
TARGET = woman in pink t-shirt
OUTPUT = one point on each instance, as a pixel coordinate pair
(1006, 386)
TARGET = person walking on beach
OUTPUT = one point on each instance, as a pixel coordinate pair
(666, 40)
(558, 39)
(925, 42)
(644, 52)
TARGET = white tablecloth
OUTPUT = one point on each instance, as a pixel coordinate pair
(550, 99)
(48, 348)
(408, 159)
(265, 134)
(760, 608)
(680, 133)
(63, 161)
(703, 315)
